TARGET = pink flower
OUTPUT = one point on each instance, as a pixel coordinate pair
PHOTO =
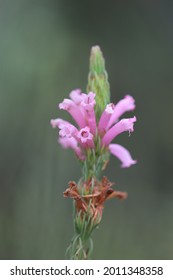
(66, 128)
(88, 103)
(85, 137)
(105, 118)
(118, 128)
(74, 111)
(89, 133)
(124, 105)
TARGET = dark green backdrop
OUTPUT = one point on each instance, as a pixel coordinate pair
(44, 54)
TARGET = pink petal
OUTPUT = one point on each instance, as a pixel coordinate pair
(58, 123)
(66, 128)
(122, 126)
(72, 143)
(87, 105)
(124, 105)
(76, 96)
(85, 138)
(88, 101)
(122, 154)
(74, 111)
(91, 121)
(105, 117)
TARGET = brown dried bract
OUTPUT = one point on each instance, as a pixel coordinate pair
(92, 201)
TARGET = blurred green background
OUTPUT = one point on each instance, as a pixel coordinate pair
(44, 53)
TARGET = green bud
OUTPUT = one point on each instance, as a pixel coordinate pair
(98, 80)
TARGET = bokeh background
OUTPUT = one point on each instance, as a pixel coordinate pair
(44, 53)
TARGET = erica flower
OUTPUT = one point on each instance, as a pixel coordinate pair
(96, 122)
(90, 134)
(85, 138)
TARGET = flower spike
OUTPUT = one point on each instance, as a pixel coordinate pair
(97, 124)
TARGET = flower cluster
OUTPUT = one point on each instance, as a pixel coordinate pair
(90, 131)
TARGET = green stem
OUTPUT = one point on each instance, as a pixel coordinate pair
(79, 249)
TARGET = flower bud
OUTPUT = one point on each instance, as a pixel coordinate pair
(98, 80)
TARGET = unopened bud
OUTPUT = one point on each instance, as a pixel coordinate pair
(98, 80)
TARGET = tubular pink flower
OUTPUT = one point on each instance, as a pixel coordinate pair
(88, 103)
(124, 105)
(105, 117)
(58, 123)
(74, 111)
(72, 143)
(122, 154)
(66, 128)
(118, 128)
(85, 138)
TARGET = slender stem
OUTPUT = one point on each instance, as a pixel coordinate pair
(79, 249)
